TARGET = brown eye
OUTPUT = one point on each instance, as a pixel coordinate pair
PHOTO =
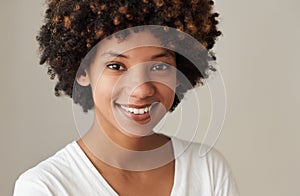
(116, 66)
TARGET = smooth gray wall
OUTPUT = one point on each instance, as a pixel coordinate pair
(258, 55)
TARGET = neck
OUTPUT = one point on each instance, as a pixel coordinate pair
(116, 149)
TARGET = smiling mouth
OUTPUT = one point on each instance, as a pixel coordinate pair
(137, 113)
(135, 110)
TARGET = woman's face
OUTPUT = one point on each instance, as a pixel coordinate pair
(133, 83)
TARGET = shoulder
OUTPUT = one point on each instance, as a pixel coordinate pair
(206, 164)
(61, 160)
(38, 180)
(197, 152)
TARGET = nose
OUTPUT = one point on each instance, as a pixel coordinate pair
(139, 84)
(143, 91)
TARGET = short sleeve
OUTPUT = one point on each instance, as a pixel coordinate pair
(228, 187)
(25, 186)
(224, 182)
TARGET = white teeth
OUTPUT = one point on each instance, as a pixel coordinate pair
(141, 111)
(136, 110)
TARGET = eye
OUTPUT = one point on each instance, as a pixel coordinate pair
(160, 67)
(116, 66)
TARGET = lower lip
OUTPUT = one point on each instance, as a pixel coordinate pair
(137, 117)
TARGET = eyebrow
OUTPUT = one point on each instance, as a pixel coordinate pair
(114, 54)
(165, 53)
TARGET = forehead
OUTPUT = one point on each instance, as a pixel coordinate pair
(134, 40)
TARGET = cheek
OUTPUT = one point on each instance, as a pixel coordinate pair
(102, 90)
(167, 94)
(168, 79)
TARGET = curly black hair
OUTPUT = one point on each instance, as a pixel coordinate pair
(73, 27)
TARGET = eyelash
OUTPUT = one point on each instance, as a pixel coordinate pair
(119, 67)
(165, 66)
(112, 66)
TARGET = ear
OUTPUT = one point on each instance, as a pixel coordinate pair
(83, 79)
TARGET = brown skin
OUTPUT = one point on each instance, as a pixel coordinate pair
(132, 183)
(158, 181)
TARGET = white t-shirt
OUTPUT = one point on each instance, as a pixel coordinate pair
(70, 172)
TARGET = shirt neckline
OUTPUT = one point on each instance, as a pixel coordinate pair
(176, 145)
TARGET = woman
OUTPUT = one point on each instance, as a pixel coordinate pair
(132, 62)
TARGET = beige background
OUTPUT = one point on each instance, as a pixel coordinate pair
(258, 55)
